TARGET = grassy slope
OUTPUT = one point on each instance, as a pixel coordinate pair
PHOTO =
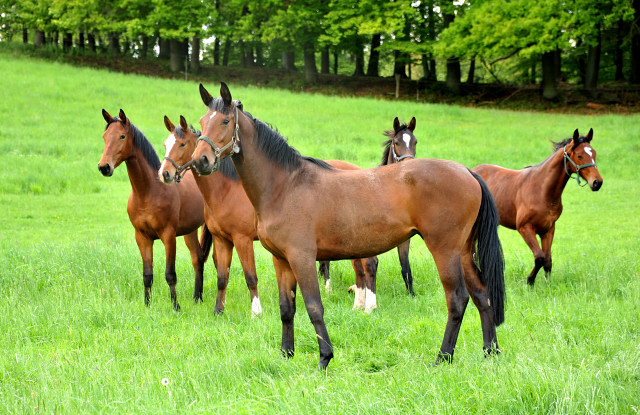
(77, 337)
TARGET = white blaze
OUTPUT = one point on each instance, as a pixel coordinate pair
(407, 139)
(168, 144)
(589, 151)
(213, 115)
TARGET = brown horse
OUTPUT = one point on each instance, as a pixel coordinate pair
(229, 216)
(401, 145)
(156, 211)
(530, 200)
(308, 210)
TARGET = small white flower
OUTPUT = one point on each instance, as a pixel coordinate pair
(165, 381)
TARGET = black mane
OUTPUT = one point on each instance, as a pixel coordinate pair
(142, 143)
(557, 146)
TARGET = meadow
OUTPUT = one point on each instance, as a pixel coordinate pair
(77, 337)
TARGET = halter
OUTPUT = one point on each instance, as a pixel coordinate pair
(395, 156)
(578, 168)
(180, 170)
(217, 151)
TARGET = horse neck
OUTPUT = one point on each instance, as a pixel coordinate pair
(143, 178)
(554, 177)
(213, 187)
(259, 176)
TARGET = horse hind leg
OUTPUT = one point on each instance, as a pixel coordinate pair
(323, 269)
(547, 240)
(370, 266)
(197, 261)
(360, 286)
(403, 255)
(287, 287)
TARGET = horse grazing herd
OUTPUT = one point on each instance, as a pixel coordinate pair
(252, 185)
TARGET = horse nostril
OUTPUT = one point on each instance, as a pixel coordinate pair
(166, 177)
(204, 161)
(596, 185)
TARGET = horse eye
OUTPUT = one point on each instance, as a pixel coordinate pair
(122, 137)
(183, 144)
(225, 121)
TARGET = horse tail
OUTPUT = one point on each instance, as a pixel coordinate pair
(206, 240)
(489, 257)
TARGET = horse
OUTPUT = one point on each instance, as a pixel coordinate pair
(402, 141)
(156, 211)
(308, 210)
(229, 216)
(530, 200)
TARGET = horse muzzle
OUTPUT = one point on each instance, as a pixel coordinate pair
(166, 177)
(203, 165)
(596, 185)
(106, 170)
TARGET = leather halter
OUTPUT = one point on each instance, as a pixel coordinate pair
(180, 170)
(217, 151)
(578, 168)
(395, 156)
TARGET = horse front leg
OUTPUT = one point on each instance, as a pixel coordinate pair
(403, 255)
(197, 261)
(287, 287)
(304, 270)
(370, 266)
(223, 251)
(529, 235)
(360, 285)
(169, 241)
(145, 245)
(547, 240)
(244, 248)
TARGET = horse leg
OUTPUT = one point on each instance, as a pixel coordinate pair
(451, 276)
(169, 241)
(360, 293)
(145, 245)
(304, 270)
(529, 236)
(480, 298)
(370, 266)
(223, 251)
(547, 240)
(287, 286)
(244, 248)
(403, 254)
(197, 260)
(323, 270)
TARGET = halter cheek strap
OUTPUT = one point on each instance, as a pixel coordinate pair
(395, 156)
(180, 170)
(578, 168)
(217, 151)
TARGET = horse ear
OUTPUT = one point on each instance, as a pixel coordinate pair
(576, 135)
(225, 94)
(412, 124)
(396, 124)
(107, 116)
(169, 124)
(205, 95)
(123, 117)
(589, 135)
(183, 123)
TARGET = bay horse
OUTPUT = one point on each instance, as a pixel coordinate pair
(156, 211)
(229, 216)
(530, 200)
(308, 210)
(400, 145)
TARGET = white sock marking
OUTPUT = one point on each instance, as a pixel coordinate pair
(370, 302)
(256, 307)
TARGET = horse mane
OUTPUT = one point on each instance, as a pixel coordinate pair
(387, 144)
(226, 165)
(557, 145)
(142, 143)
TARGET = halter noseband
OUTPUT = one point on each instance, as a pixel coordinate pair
(217, 151)
(578, 168)
(180, 170)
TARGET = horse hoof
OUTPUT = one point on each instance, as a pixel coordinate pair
(531, 281)
(287, 353)
(217, 312)
(176, 307)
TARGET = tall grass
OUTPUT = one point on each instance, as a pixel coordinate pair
(76, 336)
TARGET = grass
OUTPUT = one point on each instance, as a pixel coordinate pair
(78, 338)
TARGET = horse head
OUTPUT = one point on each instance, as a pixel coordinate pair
(580, 158)
(401, 144)
(219, 125)
(178, 147)
(118, 142)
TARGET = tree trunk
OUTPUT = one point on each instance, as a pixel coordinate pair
(164, 48)
(359, 54)
(399, 64)
(195, 54)
(310, 68)
(374, 56)
(335, 62)
(472, 71)
(549, 79)
(226, 51)
(593, 66)
(288, 60)
(67, 42)
(91, 39)
(216, 52)
(243, 55)
(81, 41)
(178, 55)
(25, 35)
(619, 53)
(55, 38)
(144, 49)
(324, 60)
(453, 64)
(114, 44)
(532, 78)
(634, 76)
(557, 64)
(259, 56)
(38, 39)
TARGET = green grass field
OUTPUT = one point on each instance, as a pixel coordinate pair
(76, 336)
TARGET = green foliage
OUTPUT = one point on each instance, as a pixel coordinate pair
(77, 337)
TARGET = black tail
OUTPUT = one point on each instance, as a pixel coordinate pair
(489, 256)
(206, 240)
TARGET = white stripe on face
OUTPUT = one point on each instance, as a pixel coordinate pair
(168, 144)
(213, 115)
(407, 139)
(589, 151)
